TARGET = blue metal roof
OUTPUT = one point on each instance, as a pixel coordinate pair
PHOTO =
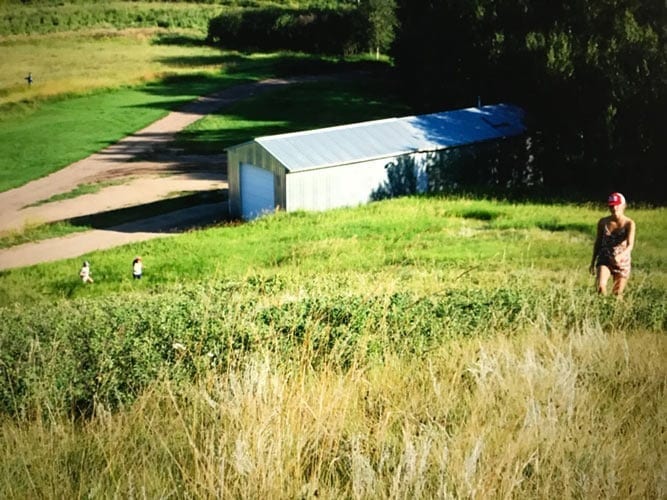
(364, 141)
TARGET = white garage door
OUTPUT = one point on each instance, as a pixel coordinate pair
(257, 191)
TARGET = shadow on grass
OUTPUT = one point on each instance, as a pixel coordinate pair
(560, 226)
(188, 85)
(277, 64)
(303, 105)
(351, 95)
(180, 39)
(172, 215)
(482, 215)
(237, 68)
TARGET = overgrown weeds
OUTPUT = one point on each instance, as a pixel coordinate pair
(567, 414)
(403, 349)
(89, 352)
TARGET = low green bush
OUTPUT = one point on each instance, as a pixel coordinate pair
(83, 353)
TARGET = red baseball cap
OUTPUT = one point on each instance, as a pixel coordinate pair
(615, 199)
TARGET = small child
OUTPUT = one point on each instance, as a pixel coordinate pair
(84, 274)
(137, 268)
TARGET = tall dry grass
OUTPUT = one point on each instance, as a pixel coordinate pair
(74, 63)
(570, 414)
(365, 353)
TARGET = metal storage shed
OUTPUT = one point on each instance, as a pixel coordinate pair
(342, 166)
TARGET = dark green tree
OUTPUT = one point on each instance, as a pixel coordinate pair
(381, 27)
(592, 76)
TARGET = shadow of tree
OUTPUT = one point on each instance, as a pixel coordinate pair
(160, 216)
(481, 215)
(557, 226)
(401, 179)
(180, 39)
(493, 167)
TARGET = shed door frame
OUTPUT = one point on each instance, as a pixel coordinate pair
(258, 192)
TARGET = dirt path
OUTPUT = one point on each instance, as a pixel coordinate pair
(143, 169)
(77, 244)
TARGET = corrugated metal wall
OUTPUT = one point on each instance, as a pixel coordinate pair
(317, 189)
(346, 165)
(339, 186)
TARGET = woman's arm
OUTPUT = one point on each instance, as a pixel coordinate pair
(596, 245)
(630, 242)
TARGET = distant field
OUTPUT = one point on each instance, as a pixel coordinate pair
(74, 63)
(98, 98)
(19, 18)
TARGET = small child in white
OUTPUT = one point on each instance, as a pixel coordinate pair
(137, 268)
(84, 274)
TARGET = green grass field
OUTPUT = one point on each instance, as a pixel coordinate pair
(456, 344)
(495, 239)
(422, 347)
(76, 108)
(88, 94)
(298, 107)
(71, 63)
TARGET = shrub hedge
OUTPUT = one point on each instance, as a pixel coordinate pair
(316, 30)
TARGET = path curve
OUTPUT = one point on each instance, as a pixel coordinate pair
(147, 169)
(119, 159)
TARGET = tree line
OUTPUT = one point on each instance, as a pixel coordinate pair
(591, 75)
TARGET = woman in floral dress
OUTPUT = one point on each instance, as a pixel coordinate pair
(613, 247)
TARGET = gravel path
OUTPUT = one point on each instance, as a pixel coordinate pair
(141, 168)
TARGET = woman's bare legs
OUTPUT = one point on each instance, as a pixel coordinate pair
(601, 282)
(619, 285)
(603, 277)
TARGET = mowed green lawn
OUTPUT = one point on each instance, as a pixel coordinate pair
(425, 241)
(90, 91)
(301, 106)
